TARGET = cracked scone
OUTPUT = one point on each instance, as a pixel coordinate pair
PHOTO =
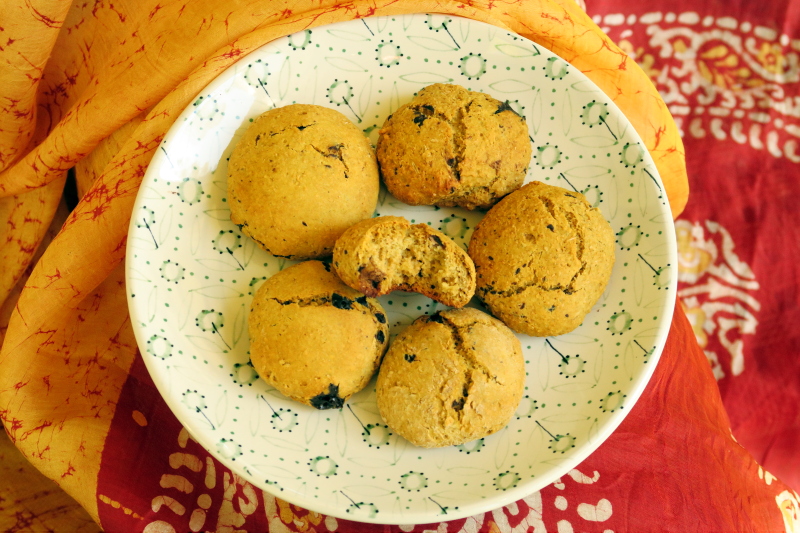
(453, 147)
(452, 377)
(313, 338)
(543, 257)
(383, 254)
(299, 176)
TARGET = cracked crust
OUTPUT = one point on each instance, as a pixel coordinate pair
(383, 254)
(299, 176)
(453, 147)
(313, 338)
(450, 378)
(543, 258)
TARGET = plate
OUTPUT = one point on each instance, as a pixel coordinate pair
(191, 275)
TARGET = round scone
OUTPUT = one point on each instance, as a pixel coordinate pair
(452, 377)
(383, 254)
(543, 257)
(313, 338)
(453, 147)
(299, 176)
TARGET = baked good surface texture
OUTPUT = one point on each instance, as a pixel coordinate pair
(453, 147)
(313, 338)
(383, 254)
(543, 258)
(451, 377)
(298, 177)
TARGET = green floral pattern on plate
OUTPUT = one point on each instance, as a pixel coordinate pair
(191, 274)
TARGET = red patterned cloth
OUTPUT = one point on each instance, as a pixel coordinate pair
(729, 72)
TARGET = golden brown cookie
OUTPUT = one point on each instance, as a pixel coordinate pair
(313, 338)
(450, 378)
(543, 257)
(383, 254)
(299, 176)
(453, 147)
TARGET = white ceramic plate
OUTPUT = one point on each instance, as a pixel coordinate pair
(191, 275)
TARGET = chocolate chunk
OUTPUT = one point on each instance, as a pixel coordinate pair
(335, 151)
(505, 106)
(331, 400)
(371, 275)
(381, 337)
(550, 227)
(380, 317)
(458, 405)
(341, 302)
(437, 240)
(436, 317)
(419, 118)
(362, 300)
(409, 357)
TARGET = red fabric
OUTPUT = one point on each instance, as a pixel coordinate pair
(743, 172)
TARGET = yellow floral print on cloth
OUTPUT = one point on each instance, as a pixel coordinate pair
(721, 77)
(718, 292)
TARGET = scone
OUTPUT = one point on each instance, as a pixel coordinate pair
(299, 176)
(453, 147)
(543, 257)
(313, 338)
(383, 254)
(450, 378)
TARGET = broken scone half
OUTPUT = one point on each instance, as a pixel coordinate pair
(383, 254)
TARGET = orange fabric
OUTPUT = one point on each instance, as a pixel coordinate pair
(107, 80)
